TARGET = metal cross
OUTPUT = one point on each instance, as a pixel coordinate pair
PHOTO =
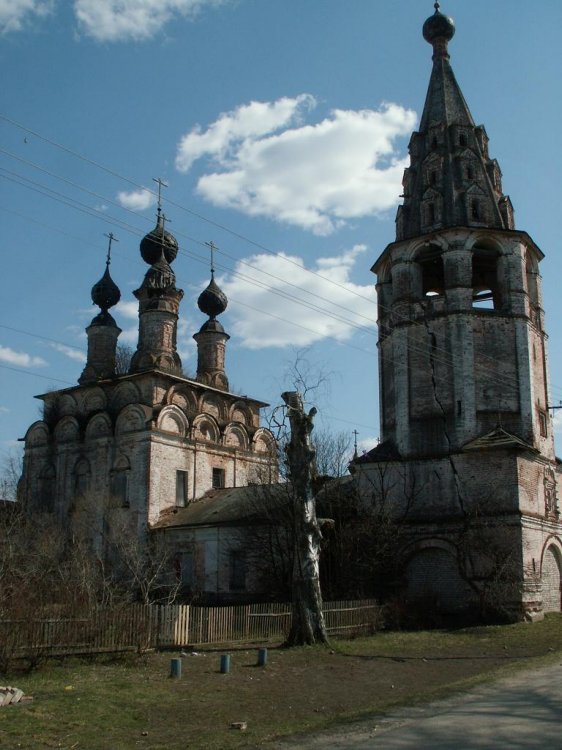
(355, 433)
(213, 247)
(112, 238)
(161, 184)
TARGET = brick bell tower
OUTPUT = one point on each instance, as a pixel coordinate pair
(463, 370)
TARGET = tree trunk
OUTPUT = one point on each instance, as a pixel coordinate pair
(307, 624)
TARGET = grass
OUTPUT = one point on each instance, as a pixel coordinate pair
(117, 704)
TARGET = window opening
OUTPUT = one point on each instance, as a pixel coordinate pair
(218, 479)
(543, 424)
(485, 286)
(181, 488)
(433, 276)
(475, 210)
(462, 139)
(470, 173)
(238, 570)
(119, 485)
(433, 177)
(431, 213)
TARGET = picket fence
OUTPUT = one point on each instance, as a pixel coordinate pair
(141, 628)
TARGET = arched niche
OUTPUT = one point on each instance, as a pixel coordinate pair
(172, 419)
(551, 576)
(67, 430)
(183, 398)
(432, 575)
(205, 427)
(210, 404)
(37, 435)
(99, 426)
(93, 400)
(123, 395)
(133, 418)
(532, 276)
(236, 436)
(67, 405)
(263, 442)
(239, 412)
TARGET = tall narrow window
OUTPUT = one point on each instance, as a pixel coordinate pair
(181, 488)
(475, 210)
(238, 570)
(48, 485)
(462, 140)
(543, 424)
(119, 488)
(218, 478)
(431, 213)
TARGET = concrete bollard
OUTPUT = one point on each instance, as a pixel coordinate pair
(262, 657)
(225, 663)
(175, 668)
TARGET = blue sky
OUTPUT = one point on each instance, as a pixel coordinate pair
(281, 129)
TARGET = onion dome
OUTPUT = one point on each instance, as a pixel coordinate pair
(160, 276)
(105, 293)
(158, 240)
(212, 300)
(438, 27)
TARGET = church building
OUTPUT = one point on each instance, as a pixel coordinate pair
(130, 449)
(466, 457)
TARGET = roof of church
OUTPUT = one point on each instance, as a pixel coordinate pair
(451, 180)
(385, 451)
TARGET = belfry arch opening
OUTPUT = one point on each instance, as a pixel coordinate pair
(486, 292)
(430, 262)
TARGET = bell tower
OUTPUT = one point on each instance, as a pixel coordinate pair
(461, 330)
(466, 459)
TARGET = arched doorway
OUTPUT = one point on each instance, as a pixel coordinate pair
(551, 596)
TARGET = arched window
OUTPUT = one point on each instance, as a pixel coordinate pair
(81, 478)
(486, 293)
(433, 276)
(47, 490)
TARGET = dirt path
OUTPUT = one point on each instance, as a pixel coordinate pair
(520, 711)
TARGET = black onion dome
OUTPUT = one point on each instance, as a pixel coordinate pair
(212, 300)
(154, 242)
(438, 26)
(105, 293)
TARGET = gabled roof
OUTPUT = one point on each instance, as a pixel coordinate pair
(498, 439)
(229, 506)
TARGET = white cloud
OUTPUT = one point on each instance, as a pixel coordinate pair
(128, 309)
(122, 20)
(4, 410)
(557, 422)
(266, 162)
(68, 351)
(15, 14)
(294, 324)
(137, 200)
(21, 359)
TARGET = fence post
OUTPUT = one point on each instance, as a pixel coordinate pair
(225, 663)
(175, 668)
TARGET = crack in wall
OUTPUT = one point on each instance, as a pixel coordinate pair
(456, 476)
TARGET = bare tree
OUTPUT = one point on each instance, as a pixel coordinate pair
(123, 356)
(11, 471)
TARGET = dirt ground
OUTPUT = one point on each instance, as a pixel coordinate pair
(109, 703)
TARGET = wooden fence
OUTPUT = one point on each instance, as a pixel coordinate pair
(139, 627)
